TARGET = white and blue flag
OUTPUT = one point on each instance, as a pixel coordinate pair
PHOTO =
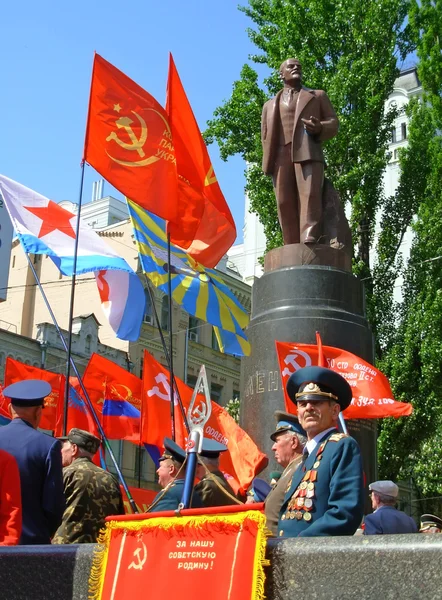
(44, 227)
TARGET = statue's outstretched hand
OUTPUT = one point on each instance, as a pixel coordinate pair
(313, 126)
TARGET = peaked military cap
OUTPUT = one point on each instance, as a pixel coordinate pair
(316, 384)
(173, 451)
(30, 392)
(212, 448)
(428, 521)
(260, 489)
(286, 422)
(274, 477)
(83, 439)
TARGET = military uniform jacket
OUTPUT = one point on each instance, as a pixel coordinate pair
(210, 492)
(326, 494)
(275, 498)
(170, 497)
(39, 461)
(92, 494)
(386, 520)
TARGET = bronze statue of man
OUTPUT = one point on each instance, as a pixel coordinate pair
(294, 124)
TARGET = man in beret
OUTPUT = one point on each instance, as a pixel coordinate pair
(213, 487)
(289, 440)
(39, 461)
(386, 519)
(430, 524)
(171, 475)
(92, 494)
(326, 494)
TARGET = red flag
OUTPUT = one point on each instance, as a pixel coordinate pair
(17, 371)
(205, 228)
(243, 459)
(116, 395)
(129, 142)
(78, 413)
(372, 395)
(4, 404)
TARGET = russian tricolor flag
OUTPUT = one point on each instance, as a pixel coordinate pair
(44, 227)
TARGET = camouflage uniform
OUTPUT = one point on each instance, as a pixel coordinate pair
(91, 495)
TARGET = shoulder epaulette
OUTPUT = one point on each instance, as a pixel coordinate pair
(336, 437)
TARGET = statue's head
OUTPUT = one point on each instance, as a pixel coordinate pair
(291, 70)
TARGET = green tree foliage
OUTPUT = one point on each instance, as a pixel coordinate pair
(350, 49)
(411, 448)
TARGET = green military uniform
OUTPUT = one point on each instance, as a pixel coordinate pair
(275, 498)
(211, 487)
(92, 494)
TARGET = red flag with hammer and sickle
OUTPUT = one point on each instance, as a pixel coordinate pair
(129, 141)
(206, 228)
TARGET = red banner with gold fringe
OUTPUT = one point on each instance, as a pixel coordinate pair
(160, 555)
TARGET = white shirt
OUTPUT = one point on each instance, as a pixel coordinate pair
(311, 444)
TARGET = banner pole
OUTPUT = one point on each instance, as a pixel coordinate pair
(83, 389)
(166, 352)
(71, 307)
(171, 373)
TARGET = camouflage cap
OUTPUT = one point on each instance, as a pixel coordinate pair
(84, 439)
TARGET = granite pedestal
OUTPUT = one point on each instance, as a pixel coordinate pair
(289, 304)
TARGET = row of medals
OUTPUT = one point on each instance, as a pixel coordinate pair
(301, 503)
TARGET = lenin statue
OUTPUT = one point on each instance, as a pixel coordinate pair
(294, 124)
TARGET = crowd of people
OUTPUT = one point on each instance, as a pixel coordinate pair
(51, 491)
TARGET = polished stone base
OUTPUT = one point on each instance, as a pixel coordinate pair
(290, 305)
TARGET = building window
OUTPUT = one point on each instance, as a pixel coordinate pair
(191, 381)
(395, 155)
(148, 312)
(13, 261)
(193, 331)
(215, 345)
(393, 135)
(404, 131)
(165, 313)
(216, 392)
(87, 344)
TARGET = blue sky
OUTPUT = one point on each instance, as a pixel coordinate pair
(46, 53)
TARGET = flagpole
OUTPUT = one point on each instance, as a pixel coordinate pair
(166, 352)
(71, 307)
(171, 374)
(83, 389)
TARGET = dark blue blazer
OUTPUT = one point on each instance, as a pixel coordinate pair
(39, 460)
(170, 499)
(339, 492)
(387, 519)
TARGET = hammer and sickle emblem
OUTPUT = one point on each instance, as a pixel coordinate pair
(126, 123)
(199, 414)
(139, 563)
(161, 378)
(136, 144)
(291, 359)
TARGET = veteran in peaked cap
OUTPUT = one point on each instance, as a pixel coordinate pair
(316, 384)
(83, 439)
(430, 524)
(286, 422)
(171, 474)
(30, 392)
